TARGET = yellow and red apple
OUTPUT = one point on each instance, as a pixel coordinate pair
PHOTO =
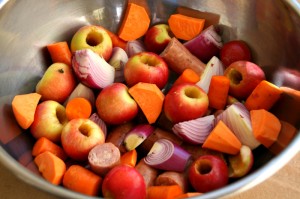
(92, 37)
(57, 83)
(244, 76)
(124, 182)
(49, 120)
(79, 136)
(115, 105)
(185, 102)
(157, 38)
(146, 67)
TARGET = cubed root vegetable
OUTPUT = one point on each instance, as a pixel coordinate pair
(149, 98)
(129, 158)
(185, 27)
(187, 76)
(265, 126)
(135, 22)
(51, 167)
(222, 139)
(188, 195)
(218, 92)
(44, 144)
(287, 108)
(60, 53)
(164, 192)
(264, 96)
(178, 58)
(286, 134)
(24, 108)
(82, 180)
(210, 18)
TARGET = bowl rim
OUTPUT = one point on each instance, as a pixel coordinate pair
(245, 183)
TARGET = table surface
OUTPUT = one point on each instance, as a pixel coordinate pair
(284, 184)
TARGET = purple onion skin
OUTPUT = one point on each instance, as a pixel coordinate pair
(206, 45)
(134, 47)
(142, 129)
(178, 161)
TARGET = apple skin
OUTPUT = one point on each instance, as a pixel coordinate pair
(208, 173)
(57, 83)
(95, 38)
(115, 105)
(244, 76)
(240, 164)
(124, 182)
(79, 136)
(235, 50)
(146, 67)
(49, 120)
(157, 38)
(185, 102)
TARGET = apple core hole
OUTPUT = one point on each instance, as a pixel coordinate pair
(83, 129)
(149, 61)
(235, 76)
(192, 93)
(204, 167)
(61, 116)
(94, 38)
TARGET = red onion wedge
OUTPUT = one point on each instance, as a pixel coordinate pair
(206, 45)
(213, 67)
(134, 47)
(137, 135)
(166, 155)
(92, 70)
(118, 60)
(237, 118)
(195, 131)
(95, 118)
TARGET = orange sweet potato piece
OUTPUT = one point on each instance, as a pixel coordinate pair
(149, 98)
(24, 108)
(185, 27)
(135, 22)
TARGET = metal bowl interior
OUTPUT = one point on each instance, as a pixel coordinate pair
(270, 27)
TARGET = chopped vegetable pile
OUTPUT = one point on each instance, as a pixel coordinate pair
(152, 111)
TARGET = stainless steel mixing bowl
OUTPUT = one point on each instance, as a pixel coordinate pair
(271, 27)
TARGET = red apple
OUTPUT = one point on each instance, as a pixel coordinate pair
(115, 105)
(244, 77)
(146, 67)
(157, 38)
(79, 136)
(57, 83)
(240, 164)
(49, 120)
(124, 182)
(208, 173)
(235, 50)
(185, 102)
(95, 38)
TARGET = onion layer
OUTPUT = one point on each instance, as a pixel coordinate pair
(195, 131)
(213, 67)
(95, 118)
(134, 47)
(137, 135)
(92, 70)
(118, 60)
(237, 118)
(166, 155)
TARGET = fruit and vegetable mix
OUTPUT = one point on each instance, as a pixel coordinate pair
(167, 110)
